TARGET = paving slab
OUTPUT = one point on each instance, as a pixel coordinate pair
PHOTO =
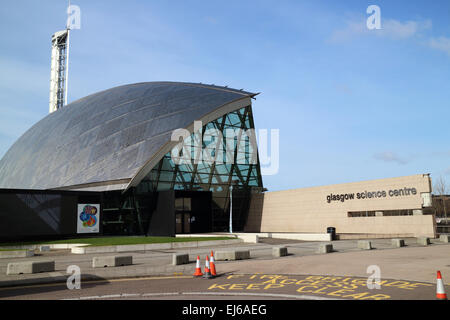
(414, 262)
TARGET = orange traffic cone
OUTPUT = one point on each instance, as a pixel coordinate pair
(198, 269)
(440, 291)
(213, 265)
(207, 274)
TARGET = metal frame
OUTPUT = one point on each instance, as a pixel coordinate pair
(58, 74)
(214, 180)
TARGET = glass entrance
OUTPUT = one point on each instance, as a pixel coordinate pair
(183, 215)
(183, 223)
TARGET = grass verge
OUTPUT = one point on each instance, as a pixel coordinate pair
(115, 241)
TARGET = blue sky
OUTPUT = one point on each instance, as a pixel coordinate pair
(351, 103)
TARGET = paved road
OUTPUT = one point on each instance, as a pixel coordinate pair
(229, 286)
(406, 273)
(158, 262)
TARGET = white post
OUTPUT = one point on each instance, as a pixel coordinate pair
(67, 67)
(231, 209)
(66, 84)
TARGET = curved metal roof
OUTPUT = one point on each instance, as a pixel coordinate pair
(107, 139)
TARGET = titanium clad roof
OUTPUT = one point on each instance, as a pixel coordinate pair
(109, 135)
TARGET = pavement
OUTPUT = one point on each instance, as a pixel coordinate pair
(414, 267)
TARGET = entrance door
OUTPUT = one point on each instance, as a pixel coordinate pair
(183, 223)
(193, 211)
(187, 223)
(179, 223)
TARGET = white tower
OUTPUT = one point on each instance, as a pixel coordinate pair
(58, 74)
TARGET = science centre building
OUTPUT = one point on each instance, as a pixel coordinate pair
(167, 158)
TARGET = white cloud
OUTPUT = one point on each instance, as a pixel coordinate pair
(388, 156)
(390, 28)
(352, 30)
(211, 20)
(398, 30)
(441, 43)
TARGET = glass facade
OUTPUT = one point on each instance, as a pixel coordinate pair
(223, 153)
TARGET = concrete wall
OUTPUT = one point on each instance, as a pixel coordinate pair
(309, 210)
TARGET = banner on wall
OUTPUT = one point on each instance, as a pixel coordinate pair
(88, 218)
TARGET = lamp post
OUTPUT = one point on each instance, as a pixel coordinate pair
(231, 204)
(231, 209)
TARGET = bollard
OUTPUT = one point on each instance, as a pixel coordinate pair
(423, 241)
(279, 252)
(111, 261)
(250, 237)
(231, 255)
(44, 248)
(444, 238)
(398, 243)
(178, 259)
(30, 267)
(325, 248)
(365, 245)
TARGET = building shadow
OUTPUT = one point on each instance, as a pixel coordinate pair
(255, 212)
(49, 285)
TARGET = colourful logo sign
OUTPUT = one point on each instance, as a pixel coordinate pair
(88, 216)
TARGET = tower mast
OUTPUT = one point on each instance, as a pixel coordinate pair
(59, 68)
(67, 60)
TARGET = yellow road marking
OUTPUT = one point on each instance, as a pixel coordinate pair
(143, 278)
